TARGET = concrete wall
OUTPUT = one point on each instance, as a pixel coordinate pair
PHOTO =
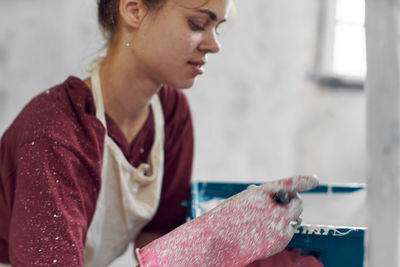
(257, 114)
(383, 133)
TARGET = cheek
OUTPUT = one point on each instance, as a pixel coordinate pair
(190, 42)
(179, 47)
(193, 43)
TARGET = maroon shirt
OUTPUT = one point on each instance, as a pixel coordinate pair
(50, 173)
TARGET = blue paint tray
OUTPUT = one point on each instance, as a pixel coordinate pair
(333, 219)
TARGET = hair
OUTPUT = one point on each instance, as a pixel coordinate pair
(108, 14)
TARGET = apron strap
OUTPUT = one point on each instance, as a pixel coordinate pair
(96, 90)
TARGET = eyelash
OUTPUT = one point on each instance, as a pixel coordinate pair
(195, 26)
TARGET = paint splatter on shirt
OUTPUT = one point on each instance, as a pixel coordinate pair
(50, 172)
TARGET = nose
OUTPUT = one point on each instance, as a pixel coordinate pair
(210, 43)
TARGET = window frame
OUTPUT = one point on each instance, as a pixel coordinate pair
(323, 69)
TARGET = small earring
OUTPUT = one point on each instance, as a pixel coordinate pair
(128, 44)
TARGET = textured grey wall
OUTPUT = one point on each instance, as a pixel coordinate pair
(41, 44)
(383, 136)
(257, 115)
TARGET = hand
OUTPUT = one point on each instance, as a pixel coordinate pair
(243, 228)
(288, 258)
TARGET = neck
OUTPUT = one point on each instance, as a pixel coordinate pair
(126, 90)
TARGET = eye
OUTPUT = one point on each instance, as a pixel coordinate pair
(220, 28)
(195, 26)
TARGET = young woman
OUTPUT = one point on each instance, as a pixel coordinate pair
(91, 165)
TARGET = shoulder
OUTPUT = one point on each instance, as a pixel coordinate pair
(175, 103)
(64, 113)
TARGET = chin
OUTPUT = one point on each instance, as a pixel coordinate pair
(181, 84)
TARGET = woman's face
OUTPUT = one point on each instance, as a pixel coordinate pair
(172, 44)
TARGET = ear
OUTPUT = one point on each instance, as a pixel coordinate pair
(132, 12)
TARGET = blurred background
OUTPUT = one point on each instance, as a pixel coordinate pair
(283, 97)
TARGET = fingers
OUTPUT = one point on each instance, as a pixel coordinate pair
(295, 208)
(296, 222)
(282, 197)
(305, 183)
(292, 184)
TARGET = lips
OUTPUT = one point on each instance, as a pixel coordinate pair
(197, 65)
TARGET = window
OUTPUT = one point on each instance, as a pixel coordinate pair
(341, 57)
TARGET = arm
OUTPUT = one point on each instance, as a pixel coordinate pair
(54, 201)
(145, 238)
(246, 227)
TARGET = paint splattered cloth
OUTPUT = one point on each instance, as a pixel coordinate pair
(50, 173)
(248, 226)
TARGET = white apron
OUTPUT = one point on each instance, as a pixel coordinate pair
(129, 196)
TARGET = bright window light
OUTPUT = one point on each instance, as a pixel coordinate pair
(349, 52)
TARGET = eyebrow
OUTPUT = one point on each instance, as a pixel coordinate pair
(211, 14)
